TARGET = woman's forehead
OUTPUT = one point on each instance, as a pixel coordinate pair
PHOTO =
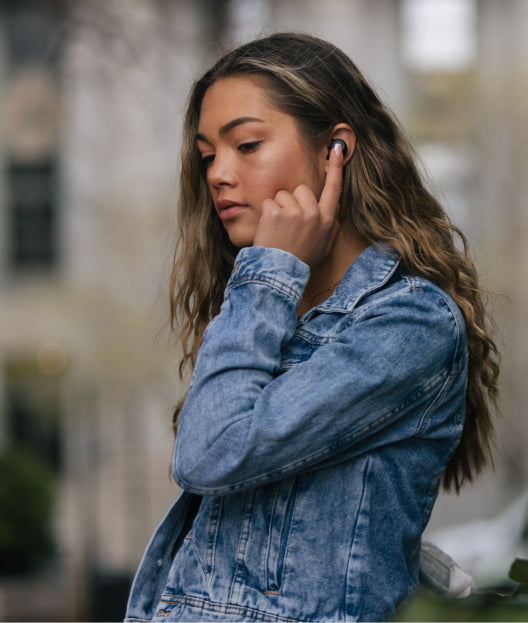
(233, 98)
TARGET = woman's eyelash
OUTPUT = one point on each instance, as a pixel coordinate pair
(206, 160)
(247, 148)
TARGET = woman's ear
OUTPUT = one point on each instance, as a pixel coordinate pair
(343, 132)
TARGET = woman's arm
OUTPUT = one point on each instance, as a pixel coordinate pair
(243, 425)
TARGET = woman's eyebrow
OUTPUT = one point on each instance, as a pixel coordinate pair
(226, 128)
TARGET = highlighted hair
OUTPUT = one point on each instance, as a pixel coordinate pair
(383, 199)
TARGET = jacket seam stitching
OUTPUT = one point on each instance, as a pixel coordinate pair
(354, 603)
(224, 608)
(295, 494)
(455, 367)
(280, 286)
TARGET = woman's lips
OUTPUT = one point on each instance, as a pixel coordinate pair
(229, 209)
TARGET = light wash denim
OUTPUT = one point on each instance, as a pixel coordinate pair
(310, 449)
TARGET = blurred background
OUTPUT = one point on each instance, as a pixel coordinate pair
(91, 100)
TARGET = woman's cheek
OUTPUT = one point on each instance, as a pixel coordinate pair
(277, 174)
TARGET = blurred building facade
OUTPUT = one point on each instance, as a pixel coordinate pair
(92, 94)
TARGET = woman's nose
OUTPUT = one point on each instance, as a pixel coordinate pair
(221, 172)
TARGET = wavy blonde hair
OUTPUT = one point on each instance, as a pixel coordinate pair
(383, 199)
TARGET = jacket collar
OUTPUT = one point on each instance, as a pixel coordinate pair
(369, 272)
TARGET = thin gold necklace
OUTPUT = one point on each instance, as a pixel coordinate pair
(311, 297)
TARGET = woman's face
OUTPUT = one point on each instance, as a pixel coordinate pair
(250, 151)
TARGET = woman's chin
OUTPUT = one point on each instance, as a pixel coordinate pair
(241, 239)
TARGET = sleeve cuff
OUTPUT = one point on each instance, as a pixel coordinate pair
(273, 267)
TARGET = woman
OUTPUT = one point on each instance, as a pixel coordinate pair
(346, 365)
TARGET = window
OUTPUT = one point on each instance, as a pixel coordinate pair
(32, 214)
(29, 133)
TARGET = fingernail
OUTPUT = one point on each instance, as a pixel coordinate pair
(338, 149)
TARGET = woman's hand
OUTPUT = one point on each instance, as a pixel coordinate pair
(298, 223)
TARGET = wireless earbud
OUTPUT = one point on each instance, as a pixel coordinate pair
(338, 141)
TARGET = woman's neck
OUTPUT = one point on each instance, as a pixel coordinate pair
(326, 276)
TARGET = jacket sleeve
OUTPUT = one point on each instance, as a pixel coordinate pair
(244, 425)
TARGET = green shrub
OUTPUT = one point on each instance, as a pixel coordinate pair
(26, 505)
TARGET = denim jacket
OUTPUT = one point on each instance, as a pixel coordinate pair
(310, 450)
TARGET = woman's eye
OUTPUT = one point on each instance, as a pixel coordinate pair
(205, 161)
(247, 148)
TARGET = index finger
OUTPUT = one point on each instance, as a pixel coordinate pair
(329, 200)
